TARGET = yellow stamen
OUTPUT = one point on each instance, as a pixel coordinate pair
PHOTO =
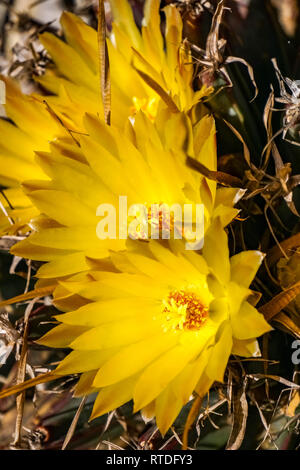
(149, 106)
(184, 310)
(160, 219)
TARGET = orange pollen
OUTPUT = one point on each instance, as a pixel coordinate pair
(191, 313)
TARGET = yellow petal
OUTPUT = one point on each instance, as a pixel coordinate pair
(64, 265)
(82, 38)
(244, 266)
(133, 358)
(203, 385)
(153, 41)
(123, 17)
(216, 252)
(148, 412)
(220, 354)
(63, 207)
(27, 250)
(161, 372)
(246, 348)
(84, 385)
(184, 384)
(110, 398)
(68, 61)
(249, 323)
(116, 334)
(236, 293)
(83, 361)
(106, 311)
(61, 336)
(130, 284)
(167, 408)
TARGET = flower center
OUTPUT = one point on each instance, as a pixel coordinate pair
(183, 310)
(160, 217)
(156, 222)
(149, 106)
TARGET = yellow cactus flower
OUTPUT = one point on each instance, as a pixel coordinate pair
(160, 328)
(147, 165)
(75, 90)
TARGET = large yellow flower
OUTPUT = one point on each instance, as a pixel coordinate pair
(160, 328)
(147, 165)
(74, 84)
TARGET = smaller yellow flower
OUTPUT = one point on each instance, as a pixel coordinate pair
(73, 82)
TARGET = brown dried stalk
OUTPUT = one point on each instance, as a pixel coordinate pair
(20, 400)
(280, 301)
(239, 416)
(212, 60)
(104, 64)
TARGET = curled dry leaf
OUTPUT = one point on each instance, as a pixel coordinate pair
(280, 301)
(290, 98)
(288, 324)
(222, 178)
(239, 416)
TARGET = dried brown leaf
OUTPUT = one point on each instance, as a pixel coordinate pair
(104, 64)
(239, 416)
(288, 324)
(277, 378)
(220, 177)
(280, 301)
